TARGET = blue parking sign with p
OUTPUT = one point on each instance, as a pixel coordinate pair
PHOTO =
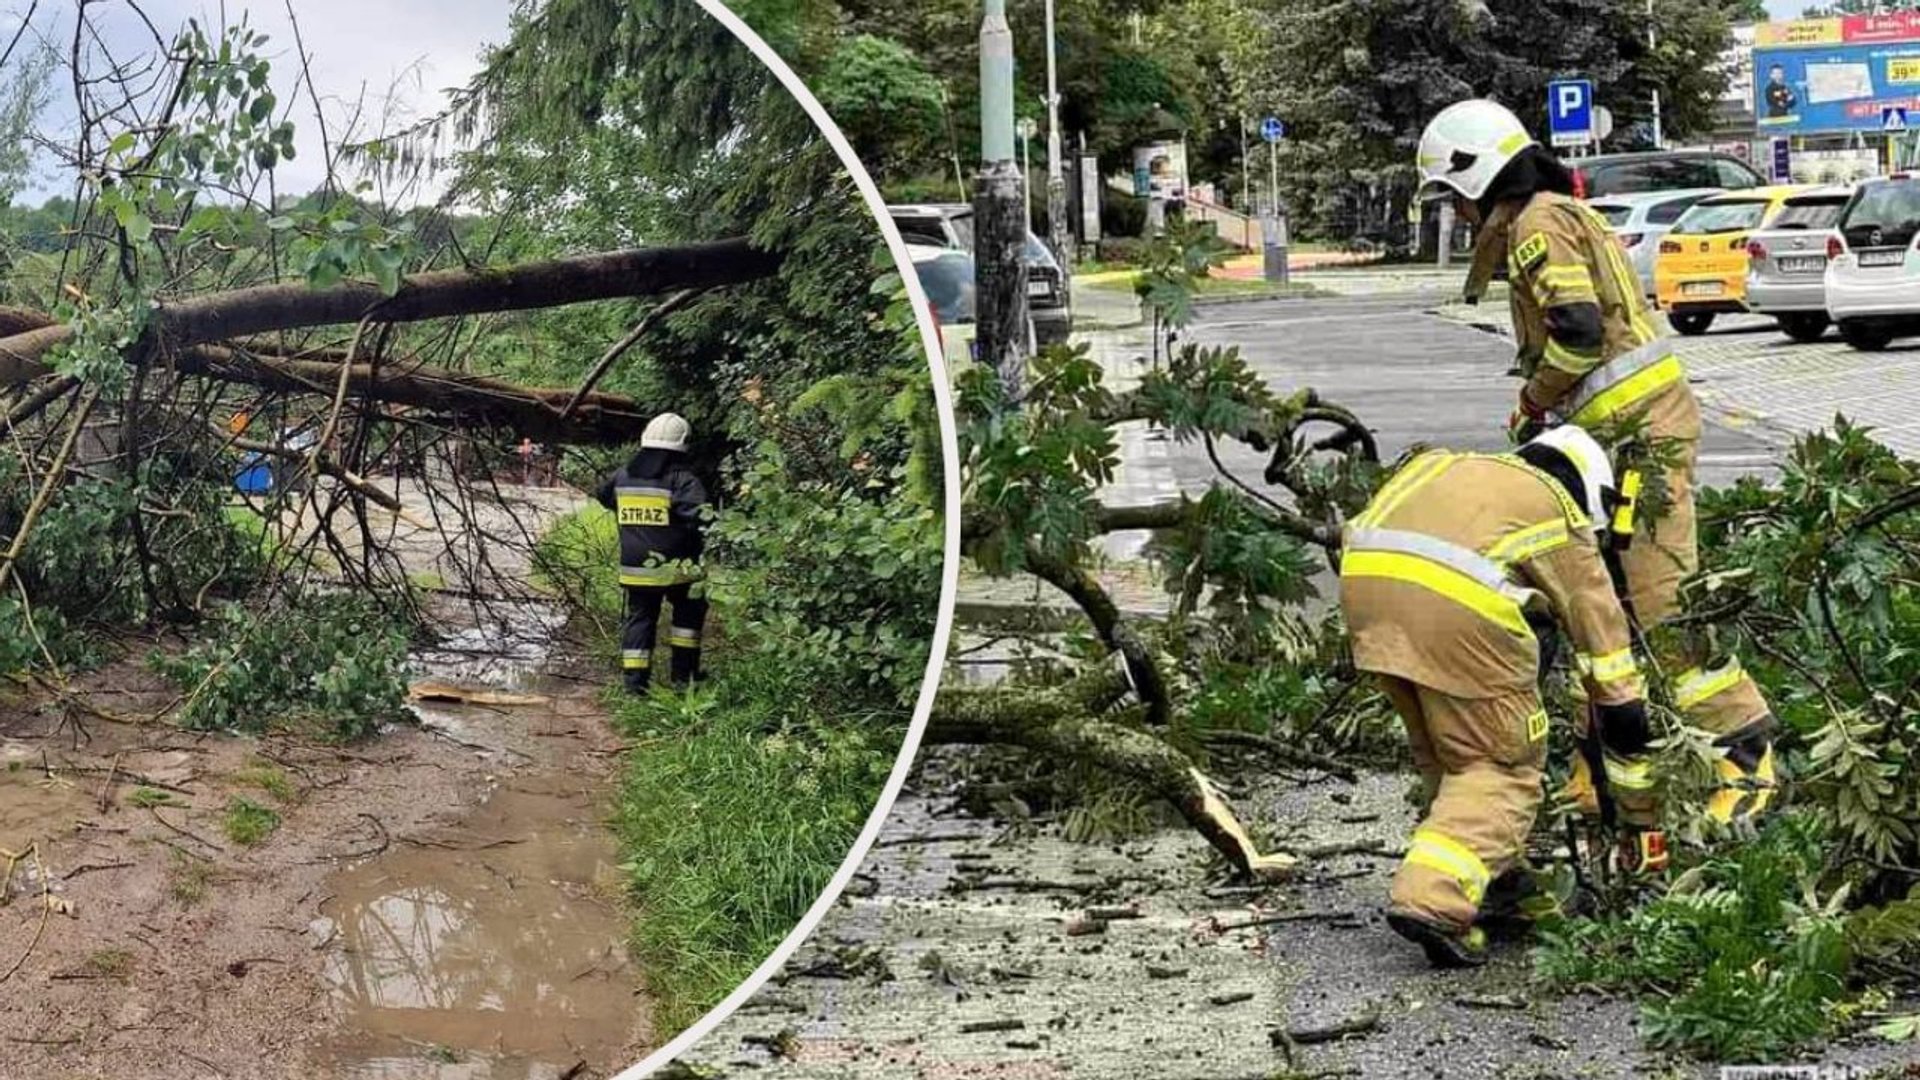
(1570, 111)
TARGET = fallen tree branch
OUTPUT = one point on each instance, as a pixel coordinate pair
(1053, 724)
(665, 308)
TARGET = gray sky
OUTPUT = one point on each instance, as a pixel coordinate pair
(400, 53)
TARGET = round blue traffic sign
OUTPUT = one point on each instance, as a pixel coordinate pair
(1272, 130)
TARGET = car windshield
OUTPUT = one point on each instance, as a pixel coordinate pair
(1722, 217)
(1669, 212)
(1649, 174)
(1809, 213)
(1883, 215)
(1615, 214)
(948, 279)
(925, 229)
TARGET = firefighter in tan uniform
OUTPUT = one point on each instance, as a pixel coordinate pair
(1443, 580)
(1592, 356)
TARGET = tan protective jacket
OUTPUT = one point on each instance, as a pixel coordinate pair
(1561, 252)
(1440, 570)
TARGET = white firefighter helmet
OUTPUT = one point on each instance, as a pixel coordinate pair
(1590, 460)
(668, 431)
(1467, 145)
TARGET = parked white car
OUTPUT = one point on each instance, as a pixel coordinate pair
(1873, 270)
(1639, 219)
(1787, 262)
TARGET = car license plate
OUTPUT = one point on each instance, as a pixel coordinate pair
(1883, 257)
(1039, 288)
(1802, 264)
(1701, 288)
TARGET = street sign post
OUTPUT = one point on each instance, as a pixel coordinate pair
(1893, 118)
(1273, 227)
(1570, 112)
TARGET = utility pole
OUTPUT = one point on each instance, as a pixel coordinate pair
(1056, 159)
(1000, 271)
(1027, 131)
(1658, 142)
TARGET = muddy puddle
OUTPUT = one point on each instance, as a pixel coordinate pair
(490, 949)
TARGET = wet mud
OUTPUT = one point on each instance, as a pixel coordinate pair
(438, 902)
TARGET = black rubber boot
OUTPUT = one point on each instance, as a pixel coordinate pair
(1445, 947)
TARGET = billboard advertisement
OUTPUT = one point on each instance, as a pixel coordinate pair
(1840, 74)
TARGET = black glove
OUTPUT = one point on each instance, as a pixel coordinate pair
(1624, 729)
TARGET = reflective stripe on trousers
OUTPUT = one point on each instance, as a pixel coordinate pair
(1460, 574)
(1452, 858)
(1622, 381)
(657, 576)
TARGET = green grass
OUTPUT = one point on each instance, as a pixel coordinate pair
(188, 879)
(247, 822)
(268, 778)
(146, 798)
(578, 560)
(738, 802)
(109, 964)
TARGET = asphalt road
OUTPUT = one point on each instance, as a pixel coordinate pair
(1413, 376)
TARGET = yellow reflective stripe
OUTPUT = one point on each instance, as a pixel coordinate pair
(633, 659)
(1436, 852)
(689, 639)
(1512, 143)
(1487, 602)
(1571, 276)
(643, 506)
(1629, 390)
(1696, 686)
(1576, 515)
(1628, 774)
(1571, 361)
(1403, 484)
(650, 575)
(1523, 544)
(1627, 283)
(1611, 667)
(1537, 726)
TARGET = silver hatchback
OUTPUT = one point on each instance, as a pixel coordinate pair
(1787, 262)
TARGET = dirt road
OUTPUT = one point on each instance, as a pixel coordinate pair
(437, 902)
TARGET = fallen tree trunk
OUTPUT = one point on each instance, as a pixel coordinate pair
(179, 325)
(1063, 725)
(534, 412)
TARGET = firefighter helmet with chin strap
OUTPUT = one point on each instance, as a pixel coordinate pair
(1590, 460)
(1466, 146)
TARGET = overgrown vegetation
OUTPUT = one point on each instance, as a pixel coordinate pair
(328, 663)
(740, 802)
(247, 822)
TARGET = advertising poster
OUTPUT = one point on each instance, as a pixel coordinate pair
(1160, 170)
(1819, 75)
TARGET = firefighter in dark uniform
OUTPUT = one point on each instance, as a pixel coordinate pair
(659, 502)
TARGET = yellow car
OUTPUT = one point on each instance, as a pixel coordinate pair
(1701, 270)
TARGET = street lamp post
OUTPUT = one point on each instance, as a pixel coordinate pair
(1056, 157)
(1651, 41)
(1000, 293)
(1027, 130)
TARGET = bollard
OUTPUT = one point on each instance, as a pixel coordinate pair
(1274, 226)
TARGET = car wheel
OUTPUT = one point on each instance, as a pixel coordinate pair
(1867, 337)
(1804, 327)
(1692, 325)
